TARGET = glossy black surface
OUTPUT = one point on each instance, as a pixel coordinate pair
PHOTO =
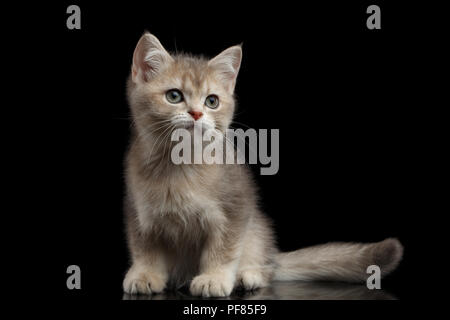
(288, 290)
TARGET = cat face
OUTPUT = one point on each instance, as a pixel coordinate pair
(168, 92)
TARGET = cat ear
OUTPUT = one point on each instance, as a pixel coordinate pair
(227, 65)
(148, 59)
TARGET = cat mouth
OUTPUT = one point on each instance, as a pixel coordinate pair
(186, 125)
(191, 125)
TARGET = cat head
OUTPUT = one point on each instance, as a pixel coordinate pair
(177, 91)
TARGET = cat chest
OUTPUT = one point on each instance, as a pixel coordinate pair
(178, 211)
(170, 200)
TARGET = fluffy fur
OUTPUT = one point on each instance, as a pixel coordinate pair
(200, 224)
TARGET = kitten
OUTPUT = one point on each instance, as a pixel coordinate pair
(199, 224)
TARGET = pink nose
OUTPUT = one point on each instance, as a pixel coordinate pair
(196, 114)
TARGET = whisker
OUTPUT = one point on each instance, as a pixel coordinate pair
(149, 156)
(242, 124)
(146, 133)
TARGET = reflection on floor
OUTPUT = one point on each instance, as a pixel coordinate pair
(289, 290)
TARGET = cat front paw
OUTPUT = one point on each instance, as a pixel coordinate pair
(212, 285)
(252, 279)
(141, 282)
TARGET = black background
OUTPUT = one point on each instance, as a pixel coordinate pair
(345, 99)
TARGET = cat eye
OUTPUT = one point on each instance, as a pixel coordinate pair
(174, 96)
(212, 101)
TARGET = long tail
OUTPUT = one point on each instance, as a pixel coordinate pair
(338, 261)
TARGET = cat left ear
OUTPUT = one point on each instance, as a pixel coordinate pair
(227, 65)
(149, 58)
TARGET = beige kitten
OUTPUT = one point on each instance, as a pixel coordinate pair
(201, 223)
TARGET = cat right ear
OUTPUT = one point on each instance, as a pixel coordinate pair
(149, 58)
